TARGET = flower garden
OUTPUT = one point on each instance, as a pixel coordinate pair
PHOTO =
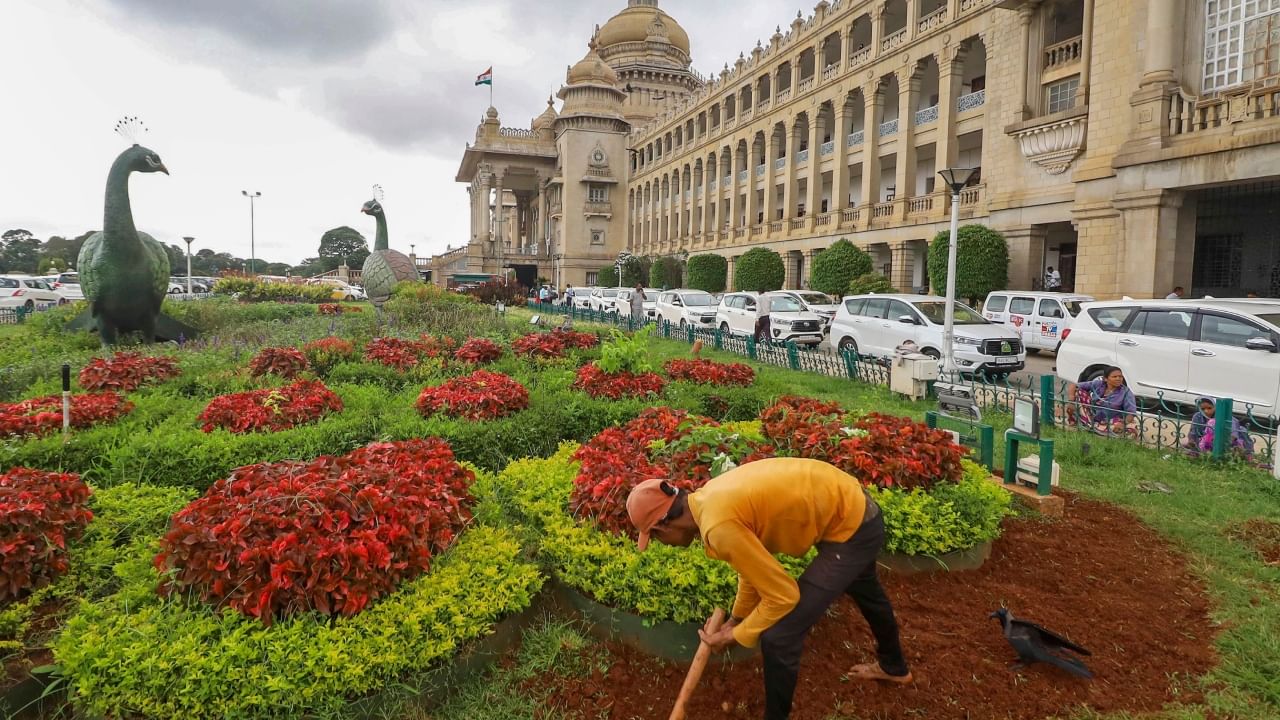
(318, 514)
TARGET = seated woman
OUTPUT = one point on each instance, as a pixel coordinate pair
(1201, 438)
(1107, 405)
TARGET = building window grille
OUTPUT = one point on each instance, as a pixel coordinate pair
(1062, 94)
(1241, 42)
(1218, 261)
(592, 278)
(598, 194)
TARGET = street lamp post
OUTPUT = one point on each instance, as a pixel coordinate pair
(956, 179)
(189, 240)
(252, 239)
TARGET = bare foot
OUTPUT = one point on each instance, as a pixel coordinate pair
(872, 671)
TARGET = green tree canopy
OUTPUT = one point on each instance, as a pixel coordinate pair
(666, 273)
(708, 273)
(343, 244)
(19, 251)
(872, 282)
(58, 248)
(982, 262)
(759, 270)
(837, 266)
(607, 277)
(635, 271)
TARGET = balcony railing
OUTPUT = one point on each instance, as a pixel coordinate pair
(971, 101)
(932, 20)
(830, 71)
(1189, 114)
(883, 210)
(850, 215)
(889, 128)
(797, 224)
(822, 220)
(763, 105)
(968, 6)
(775, 227)
(826, 148)
(739, 232)
(728, 180)
(598, 207)
(802, 157)
(860, 57)
(743, 175)
(784, 95)
(711, 186)
(746, 114)
(805, 85)
(920, 205)
(927, 116)
(1064, 53)
(761, 169)
(780, 163)
(971, 196)
(688, 194)
(892, 41)
(855, 139)
(757, 230)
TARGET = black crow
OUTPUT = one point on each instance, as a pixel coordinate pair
(1036, 644)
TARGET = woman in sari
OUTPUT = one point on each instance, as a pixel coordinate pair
(1107, 405)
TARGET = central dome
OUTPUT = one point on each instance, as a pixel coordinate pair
(634, 25)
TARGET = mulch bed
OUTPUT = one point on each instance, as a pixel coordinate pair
(1098, 576)
(1260, 534)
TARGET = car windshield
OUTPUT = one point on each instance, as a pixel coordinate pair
(784, 304)
(1073, 306)
(609, 293)
(816, 298)
(650, 296)
(936, 311)
(697, 299)
(1272, 320)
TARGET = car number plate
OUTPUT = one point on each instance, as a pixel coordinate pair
(1006, 360)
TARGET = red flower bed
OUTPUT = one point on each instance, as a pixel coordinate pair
(39, 512)
(434, 347)
(574, 339)
(127, 371)
(615, 386)
(324, 354)
(336, 309)
(482, 395)
(286, 362)
(393, 352)
(553, 344)
(305, 401)
(43, 416)
(331, 535)
(478, 351)
(708, 372)
(803, 427)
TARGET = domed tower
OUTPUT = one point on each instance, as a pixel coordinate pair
(650, 53)
(591, 143)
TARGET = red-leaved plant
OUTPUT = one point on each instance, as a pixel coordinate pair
(303, 402)
(482, 395)
(286, 362)
(615, 386)
(39, 513)
(331, 535)
(400, 354)
(552, 345)
(43, 416)
(437, 346)
(478, 351)
(336, 309)
(127, 371)
(709, 372)
(328, 352)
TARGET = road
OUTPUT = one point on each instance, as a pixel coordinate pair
(1037, 365)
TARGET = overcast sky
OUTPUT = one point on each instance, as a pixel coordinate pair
(309, 102)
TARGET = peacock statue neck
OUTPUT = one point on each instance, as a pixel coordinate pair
(119, 232)
(380, 241)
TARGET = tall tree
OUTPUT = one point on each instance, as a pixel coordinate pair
(59, 248)
(343, 244)
(21, 251)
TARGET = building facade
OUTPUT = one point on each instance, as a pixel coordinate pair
(1131, 144)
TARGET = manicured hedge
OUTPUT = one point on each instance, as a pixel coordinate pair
(982, 262)
(871, 283)
(666, 272)
(837, 266)
(759, 270)
(708, 273)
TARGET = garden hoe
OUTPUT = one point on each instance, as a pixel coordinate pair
(699, 664)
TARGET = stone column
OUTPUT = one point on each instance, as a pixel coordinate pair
(753, 203)
(500, 217)
(771, 174)
(1028, 67)
(1086, 55)
(1026, 255)
(949, 80)
(1163, 34)
(728, 281)
(1149, 266)
(877, 28)
(473, 194)
(902, 266)
(789, 199)
(913, 18)
(813, 198)
(873, 94)
(708, 199)
(840, 166)
(905, 174)
(735, 188)
(486, 207)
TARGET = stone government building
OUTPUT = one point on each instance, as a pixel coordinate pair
(1132, 144)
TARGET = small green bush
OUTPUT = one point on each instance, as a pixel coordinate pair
(950, 517)
(982, 262)
(837, 266)
(439, 311)
(708, 273)
(249, 290)
(871, 283)
(627, 354)
(666, 273)
(759, 270)
(635, 271)
(607, 276)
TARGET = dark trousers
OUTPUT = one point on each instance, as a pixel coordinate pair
(848, 567)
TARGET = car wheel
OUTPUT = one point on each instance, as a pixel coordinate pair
(724, 329)
(29, 306)
(1093, 374)
(682, 325)
(848, 344)
(63, 301)
(174, 291)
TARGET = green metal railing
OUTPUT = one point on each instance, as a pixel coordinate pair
(13, 316)
(1157, 424)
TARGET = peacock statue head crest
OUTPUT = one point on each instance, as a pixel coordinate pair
(374, 206)
(138, 158)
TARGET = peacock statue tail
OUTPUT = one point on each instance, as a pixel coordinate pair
(125, 273)
(384, 267)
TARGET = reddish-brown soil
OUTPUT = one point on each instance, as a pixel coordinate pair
(1260, 534)
(1098, 576)
(46, 618)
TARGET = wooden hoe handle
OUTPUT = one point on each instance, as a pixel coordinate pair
(699, 664)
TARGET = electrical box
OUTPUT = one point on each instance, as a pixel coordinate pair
(910, 374)
(1029, 471)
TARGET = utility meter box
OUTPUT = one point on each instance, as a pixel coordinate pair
(910, 374)
(1029, 471)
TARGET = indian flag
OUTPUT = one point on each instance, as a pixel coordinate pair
(485, 78)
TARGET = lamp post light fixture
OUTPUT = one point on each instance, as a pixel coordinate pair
(252, 239)
(189, 240)
(956, 179)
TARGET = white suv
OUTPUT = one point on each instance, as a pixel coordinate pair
(877, 324)
(739, 314)
(603, 299)
(820, 304)
(650, 303)
(687, 308)
(1042, 318)
(1180, 350)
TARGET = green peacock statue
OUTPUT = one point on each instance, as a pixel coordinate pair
(125, 273)
(384, 267)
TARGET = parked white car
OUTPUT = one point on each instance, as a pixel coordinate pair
(877, 324)
(1041, 318)
(342, 290)
(820, 304)
(739, 313)
(1180, 350)
(623, 302)
(687, 308)
(27, 292)
(603, 299)
(67, 285)
(582, 296)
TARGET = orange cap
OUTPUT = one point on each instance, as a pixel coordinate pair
(647, 505)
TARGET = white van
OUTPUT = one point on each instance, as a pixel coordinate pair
(1042, 319)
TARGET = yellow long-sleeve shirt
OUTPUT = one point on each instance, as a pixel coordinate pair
(780, 505)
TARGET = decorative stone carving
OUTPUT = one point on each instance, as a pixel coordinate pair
(1054, 145)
